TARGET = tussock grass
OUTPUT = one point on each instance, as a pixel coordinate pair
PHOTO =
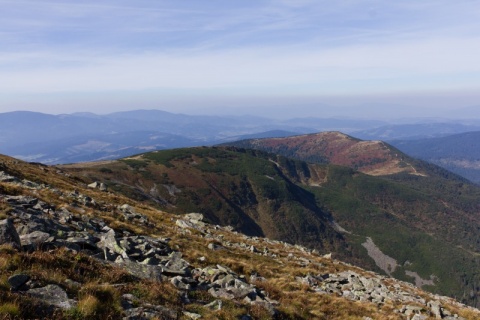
(89, 306)
(9, 309)
(156, 293)
(99, 301)
(54, 267)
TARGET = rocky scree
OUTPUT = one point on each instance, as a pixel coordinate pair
(34, 225)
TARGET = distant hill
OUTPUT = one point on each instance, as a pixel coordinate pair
(458, 153)
(103, 146)
(260, 135)
(55, 139)
(419, 226)
(415, 131)
(66, 138)
(370, 157)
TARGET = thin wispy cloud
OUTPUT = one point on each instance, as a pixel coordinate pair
(245, 47)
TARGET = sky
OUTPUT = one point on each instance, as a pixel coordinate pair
(282, 57)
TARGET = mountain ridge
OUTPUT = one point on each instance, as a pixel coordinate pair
(49, 133)
(94, 265)
(370, 157)
(278, 195)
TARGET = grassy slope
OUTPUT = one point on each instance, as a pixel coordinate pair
(426, 230)
(243, 189)
(97, 279)
(439, 203)
(420, 233)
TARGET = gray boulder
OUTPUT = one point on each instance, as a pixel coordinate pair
(436, 309)
(5, 177)
(214, 305)
(52, 295)
(194, 216)
(147, 311)
(98, 185)
(35, 239)
(142, 271)
(9, 235)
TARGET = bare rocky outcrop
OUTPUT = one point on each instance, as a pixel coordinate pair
(374, 288)
(384, 262)
(44, 227)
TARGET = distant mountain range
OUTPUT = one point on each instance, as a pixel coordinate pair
(86, 136)
(458, 153)
(414, 131)
(80, 137)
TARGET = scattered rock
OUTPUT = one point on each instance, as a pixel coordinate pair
(8, 234)
(43, 226)
(52, 295)
(35, 240)
(192, 315)
(215, 247)
(150, 312)
(17, 281)
(5, 177)
(356, 287)
(142, 271)
(214, 305)
(98, 185)
(436, 309)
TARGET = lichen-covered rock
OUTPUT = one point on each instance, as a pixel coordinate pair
(52, 295)
(147, 312)
(35, 239)
(142, 271)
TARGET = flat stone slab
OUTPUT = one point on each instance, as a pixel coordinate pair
(52, 295)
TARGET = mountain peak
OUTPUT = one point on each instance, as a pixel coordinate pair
(370, 157)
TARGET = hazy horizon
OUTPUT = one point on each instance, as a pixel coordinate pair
(395, 114)
(365, 58)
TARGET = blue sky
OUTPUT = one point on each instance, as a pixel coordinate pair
(232, 56)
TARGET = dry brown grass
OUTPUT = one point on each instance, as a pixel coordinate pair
(155, 292)
(99, 301)
(297, 301)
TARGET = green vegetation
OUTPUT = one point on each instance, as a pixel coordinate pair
(419, 221)
(9, 310)
(262, 193)
(133, 163)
